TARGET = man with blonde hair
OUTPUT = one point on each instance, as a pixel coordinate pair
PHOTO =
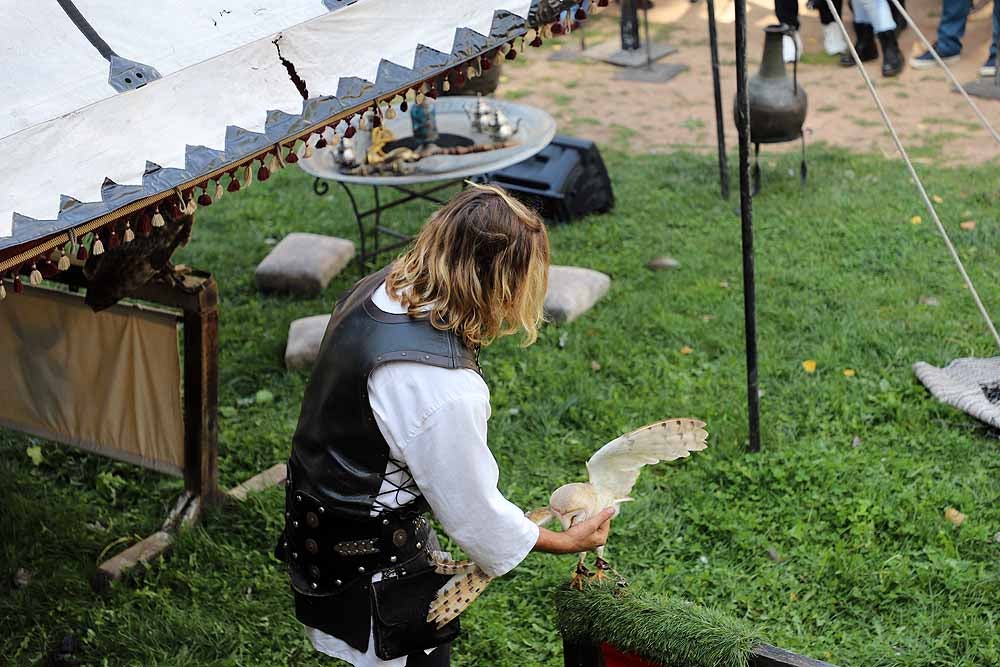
(393, 424)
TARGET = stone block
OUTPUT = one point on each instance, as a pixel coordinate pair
(304, 338)
(303, 263)
(573, 291)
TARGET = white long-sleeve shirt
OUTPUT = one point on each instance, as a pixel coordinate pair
(434, 421)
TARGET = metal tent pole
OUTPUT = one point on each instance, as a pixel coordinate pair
(746, 221)
(720, 128)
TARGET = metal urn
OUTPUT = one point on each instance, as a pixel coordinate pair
(777, 104)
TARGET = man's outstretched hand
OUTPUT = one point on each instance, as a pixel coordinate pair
(581, 537)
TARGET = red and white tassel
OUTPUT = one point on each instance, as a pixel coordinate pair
(63, 263)
(158, 220)
(36, 276)
(129, 235)
(97, 248)
(204, 199)
(3, 290)
(307, 150)
(18, 285)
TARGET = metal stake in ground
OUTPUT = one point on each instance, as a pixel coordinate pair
(746, 222)
(720, 128)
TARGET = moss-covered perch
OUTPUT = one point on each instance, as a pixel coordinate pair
(663, 630)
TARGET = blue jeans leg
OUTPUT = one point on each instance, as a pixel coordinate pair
(954, 14)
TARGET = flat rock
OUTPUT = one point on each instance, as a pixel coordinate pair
(304, 338)
(303, 263)
(573, 291)
(662, 263)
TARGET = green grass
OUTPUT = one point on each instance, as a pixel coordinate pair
(849, 490)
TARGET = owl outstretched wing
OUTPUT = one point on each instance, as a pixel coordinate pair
(614, 468)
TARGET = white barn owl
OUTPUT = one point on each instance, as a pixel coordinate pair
(613, 471)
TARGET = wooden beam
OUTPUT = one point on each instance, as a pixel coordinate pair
(273, 476)
(765, 655)
(201, 392)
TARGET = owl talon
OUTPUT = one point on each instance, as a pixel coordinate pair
(580, 576)
(602, 569)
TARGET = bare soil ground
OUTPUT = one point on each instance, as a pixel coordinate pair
(934, 122)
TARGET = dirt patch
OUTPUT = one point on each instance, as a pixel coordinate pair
(934, 122)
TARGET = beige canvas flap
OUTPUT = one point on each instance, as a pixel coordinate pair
(108, 382)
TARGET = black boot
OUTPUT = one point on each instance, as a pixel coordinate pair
(892, 59)
(865, 45)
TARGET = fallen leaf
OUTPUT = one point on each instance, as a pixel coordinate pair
(916, 220)
(929, 301)
(35, 454)
(793, 596)
(594, 366)
(773, 554)
(968, 225)
(707, 318)
(687, 349)
(937, 199)
(954, 516)
(563, 337)
(724, 284)
(809, 366)
(856, 442)
(849, 372)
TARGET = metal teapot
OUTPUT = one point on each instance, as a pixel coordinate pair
(499, 127)
(343, 153)
(478, 114)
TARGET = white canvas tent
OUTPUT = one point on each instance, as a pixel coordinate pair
(123, 104)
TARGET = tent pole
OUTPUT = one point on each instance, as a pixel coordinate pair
(720, 128)
(746, 222)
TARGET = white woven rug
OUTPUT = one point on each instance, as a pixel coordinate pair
(969, 384)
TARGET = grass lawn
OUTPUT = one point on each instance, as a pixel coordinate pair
(849, 491)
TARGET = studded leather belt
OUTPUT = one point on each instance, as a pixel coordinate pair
(327, 552)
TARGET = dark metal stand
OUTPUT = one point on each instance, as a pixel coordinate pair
(637, 63)
(720, 127)
(746, 222)
(370, 235)
(987, 87)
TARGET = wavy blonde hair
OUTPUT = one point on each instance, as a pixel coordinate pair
(479, 268)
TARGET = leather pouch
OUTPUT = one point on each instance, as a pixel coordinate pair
(400, 610)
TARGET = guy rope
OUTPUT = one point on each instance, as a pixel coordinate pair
(909, 164)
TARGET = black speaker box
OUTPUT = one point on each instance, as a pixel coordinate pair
(564, 181)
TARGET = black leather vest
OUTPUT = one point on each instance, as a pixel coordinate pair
(331, 543)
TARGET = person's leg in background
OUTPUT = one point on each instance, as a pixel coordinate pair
(879, 14)
(787, 12)
(864, 37)
(989, 68)
(833, 39)
(951, 28)
(901, 24)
